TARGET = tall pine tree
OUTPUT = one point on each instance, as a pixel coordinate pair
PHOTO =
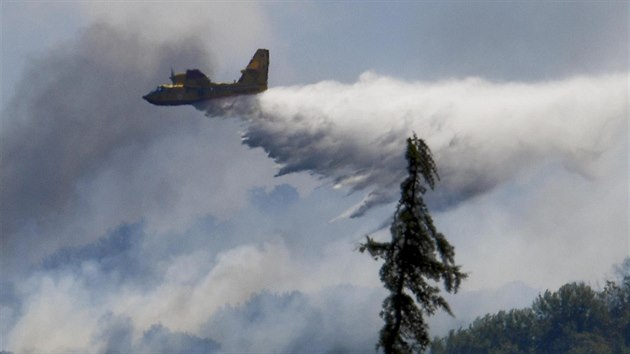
(416, 259)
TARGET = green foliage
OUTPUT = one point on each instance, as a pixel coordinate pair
(575, 319)
(416, 259)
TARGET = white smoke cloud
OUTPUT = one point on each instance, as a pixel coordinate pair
(64, 311)
(481, 133)
(50, 320)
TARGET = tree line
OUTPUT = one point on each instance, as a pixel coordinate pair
(575, 319)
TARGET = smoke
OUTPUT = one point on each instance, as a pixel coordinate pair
(88, 303)
(332, 320)
(482, 134)
(75, 114)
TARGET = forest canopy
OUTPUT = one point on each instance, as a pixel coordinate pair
(574, 319)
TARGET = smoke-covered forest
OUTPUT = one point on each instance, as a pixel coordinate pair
(577, 318)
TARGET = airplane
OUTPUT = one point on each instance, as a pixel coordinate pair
(194, 87)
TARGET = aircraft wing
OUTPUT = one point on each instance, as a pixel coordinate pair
(195, 78)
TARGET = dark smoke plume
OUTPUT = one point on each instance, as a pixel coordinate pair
(75, 109)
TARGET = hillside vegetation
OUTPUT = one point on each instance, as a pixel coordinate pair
(575, 319)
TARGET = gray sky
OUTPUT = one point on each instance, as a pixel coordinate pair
(131, 227)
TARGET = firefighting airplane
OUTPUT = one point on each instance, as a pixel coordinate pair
(193, 86)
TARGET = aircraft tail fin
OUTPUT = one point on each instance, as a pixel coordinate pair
(257, 70)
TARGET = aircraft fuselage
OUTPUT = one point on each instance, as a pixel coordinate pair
(193, 86)
(177, 95)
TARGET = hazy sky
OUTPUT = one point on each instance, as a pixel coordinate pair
(130, 227)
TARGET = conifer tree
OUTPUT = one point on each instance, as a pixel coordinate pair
(416, 259)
